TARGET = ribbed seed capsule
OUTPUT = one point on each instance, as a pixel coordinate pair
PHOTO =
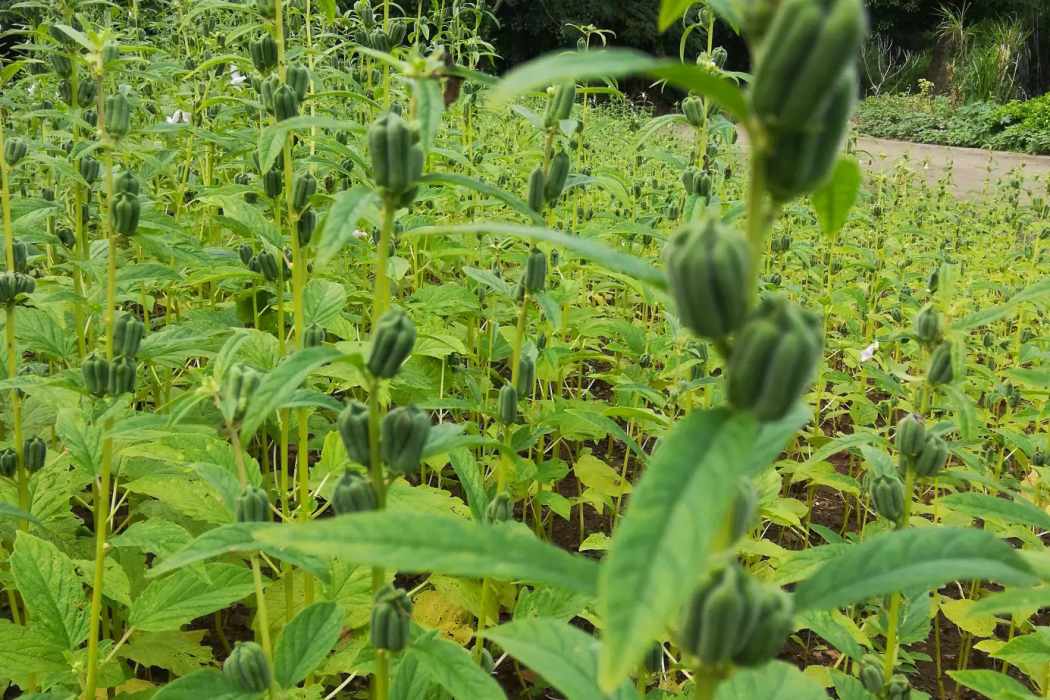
(267, 262)
(560, 102)
(775, 622)
(252, 506)
(110, 51)
(313, 336)
(537, 198)
(535, 275)
(887, 495)
(929, 463)
(285, 102)
(707, 267)
(391, 619)
(245, 253)
(508, 404)
(118, 115)
(928, 325)
(557, 175)
(8, 463)
(122, 375)
(397, 158)
(500, 509)
(63, 66)
(247, 663)
(353, 429)
(304, 187)
(89, 169)
(95, 369)
(404, 436)
(34, 454)
(20, 253)
(392, 343)
(298, 76)
(940, 368)
(15, 149)
(127, 183)
(718, 621)
(126, 212)
(526, 375)
(899, 688)
(353, 494)
(128, 332)
(693, 108)
(238, 385)
(871, 675)
(654, 659)
(86, 93)
(911, 436)
(263, 52)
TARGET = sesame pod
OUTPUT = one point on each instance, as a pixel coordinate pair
(268, 265)
(252, 506)
(508, 404)
(391, 619)
(8, 287)
(928, 325)
(654, 659)
(23, 284)
(932, 459)
(405, 433)
(298, 76)
(526, 375)
(940, 368)
(899, 688)
(775, 617)
(871, 675)
(774, 359)
(304, 187)
(91, 117)
(720, 617)
(1038, 458)
(65, 92)
(537, 189)
(398, 30)
(89, 169)
(127, 183)
(122, 374)
(8, 463)
(245, 252)
(397, 158)
(285, 102)
(313, 336)
(34, 453)
(392, 343)
(535, 275)
(353, 494)
(556, 178)
(693, 107)
(887, 494)
(353, 429)
(500, 509)
(911, 436)
(118, 115)
(564, 99)
(96, 374)
(86, 93)
(127, 335)
(541, 341)
(305, 226)
(63, 66)
(266, 8)
(20, 253)
(15, 149)
(126, 211)
(238, 384)
(745, 509)
(379, 40)
(263, 52)
(66, 237)
(707, 268)
(110, 51)
(273, 183)
(247, 663)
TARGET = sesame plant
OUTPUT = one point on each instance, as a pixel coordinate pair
(336, 367)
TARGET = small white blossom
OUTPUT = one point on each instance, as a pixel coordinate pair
(236, 79)
(178, 116)
(32, 89)
(869, 352)
(359, 234)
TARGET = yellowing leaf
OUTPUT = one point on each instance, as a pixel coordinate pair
(433, 610)
(598, 475)
(958, 611)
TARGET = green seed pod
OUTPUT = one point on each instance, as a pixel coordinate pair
(252, 506)
(397, 158)
(110, 51)
(247, 663)
(693, 108)
(775, 623)
(1038, 458)
(96, 374)
(245, 252)
(379, 40)
(267, 265)
(526, 375)
(34, 453)
(353, 429)
(238, 385)
(127, 335)
(273, 183)
(89, 169)
(65, 92)
(392, 343)
(870, 674)
(313, 336)
(304, 187)
(305, 226)
(719, 56)
(932, 459)
(940, 368)
(118, 115)
(703, 186)
(535, 275)
(405, 433)
(126, 212)
(353, 494)
(298, 76)
(537, 198)
(708, 265)
(13, 284)
(934, 280)
(899, 688)
(86, 93)
(20, 253)
(122, 374)
(391, 619)
(508, 404)
(745, 509)
(8, 463)
(15, 149)
(501, 509)
(911, 436)
(887, 494)
(266, 8)
(556, 178)
(720, 618)
(541, 341)
(654, 659)
(559, 104)
(63, 66)
(285, 102)
(398, 30)
(127, 183)
(774, 359)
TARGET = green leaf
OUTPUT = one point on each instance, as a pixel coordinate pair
(347, 210)
(323, 300)
(834, 199)
(429, 543)
(1013, 600)
(912, 559)
(486, 189)
(180, 652)
(206, 683)
(51, 589)
(430, 105)
(328, 9)
(671, 11)
(848, 687)
(993, 685)
(669, 528)
(824, 624)
(169, 603)
(280, 384)
(994, 313)
(147, 272)
(774, 681)
(250, 216)
(272, 138)
(988, 507)
(453, 668)
(81, 438)
(25, 650)
(564, 655)
(11, 512)
(965, 411)
(1027, 649)
(411, 681)
(306, 641)
(470, 480)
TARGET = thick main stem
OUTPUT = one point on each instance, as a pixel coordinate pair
(381, 293)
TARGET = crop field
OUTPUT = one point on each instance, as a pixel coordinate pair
(336, 367)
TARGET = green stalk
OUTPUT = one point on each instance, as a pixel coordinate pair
(375, 467)
(263, 618)
(382, 677)
(892, 633)
(381, 293)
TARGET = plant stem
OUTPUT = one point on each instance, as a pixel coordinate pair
(375, 467)
(382, 677)
(263, 618)
(381, 293)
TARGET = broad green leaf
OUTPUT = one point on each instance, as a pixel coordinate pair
(11, 512)
(1027, 649)
(411, 680)
(993, 685)
(171, 602)
(1013, 600)
(671, 11)
(429, 106)
(272, 138)
(453, 668)
(848, 687)
(470, 480)
(834, 199)
(249, 215)
(771, 438)
(342, 220)
(428, 543)
(25, 650)
(51, 589)
(670, 526)
(180, 652)
(278, 385)
(910, 560)
(965, 411)
(824, 624)
(774, 681)
(81, 438)
(323, 300)
(206, 683)
(306, 641)
(147, 272)
(484, 188)
(988, 507)
(564, 655)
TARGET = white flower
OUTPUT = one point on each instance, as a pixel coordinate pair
(178, 116)
(359, 234)
(869, 352)
(32, 89)
(236, 79)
